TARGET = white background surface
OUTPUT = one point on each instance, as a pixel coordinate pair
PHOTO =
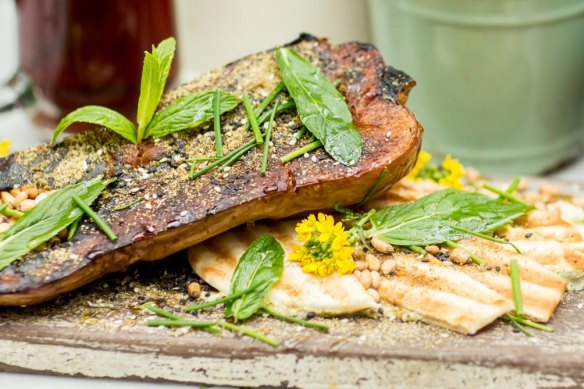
(340, 19)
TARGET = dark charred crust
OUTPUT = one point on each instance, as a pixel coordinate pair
(178, 212)
(396, 85)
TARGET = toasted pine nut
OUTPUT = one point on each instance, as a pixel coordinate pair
(365, 279)
(194, 289)
(19, 198)
(360, 265)
(381, 246)
(432, 249)
(7, 198)
(388, 266)
(27, 205)
(41, 197)
(4, 227)
(375, 279)
(372, 262)
(31, 190)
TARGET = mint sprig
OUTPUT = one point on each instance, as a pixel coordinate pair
(186, 112)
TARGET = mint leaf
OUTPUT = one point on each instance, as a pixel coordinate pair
(102, 116)
(154, 75)
(46, 219)
(440, 216)
(261, 265)
(321, 108)
(188, 112)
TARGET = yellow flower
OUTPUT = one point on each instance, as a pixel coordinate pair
(424, 158)
(326, 248)
(4, 147)
(448, 173)
(456, 172)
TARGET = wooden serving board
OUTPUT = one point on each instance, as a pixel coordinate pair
(100, 331)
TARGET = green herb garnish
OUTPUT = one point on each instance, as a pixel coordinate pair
(237, 153)
(282, 107)
(294, 320)
(507, 196)
(4, 210)
(103, 226)
(301, 151)
(261, 265)
(264, 167)
(217, 123)
(189, 111)
(374, 189)
(320, 107)
(252, 120)
(267, 101)
(129, 205)
(518, 320)
(186, 112)
(442, 216)
(47, 218)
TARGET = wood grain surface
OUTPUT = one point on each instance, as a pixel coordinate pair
(99, 331)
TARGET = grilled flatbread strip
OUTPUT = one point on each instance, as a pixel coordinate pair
(180, 212)
(542, 235)
(215, 259)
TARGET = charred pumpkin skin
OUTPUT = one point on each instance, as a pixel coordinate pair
(180, 212)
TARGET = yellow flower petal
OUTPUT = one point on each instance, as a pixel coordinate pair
(5, 147)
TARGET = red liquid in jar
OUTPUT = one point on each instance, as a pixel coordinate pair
(81, 52)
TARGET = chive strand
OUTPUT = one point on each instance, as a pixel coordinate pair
(162, 312)
(103, 226)
(374, 188)
(221, 160)
(248, 332)
(516, 323)
(283, 107)
(529, 323)
(4, 210)
(506, 195)
(290, 319)
(252, 119)
(486, 237)
(268, 100)
(131, 204)
(418, 250)
(264, 167)
(226, 299)
(238, 155)
(73, 228)
(301, 151)
(513, 185)
(516, 287)
(217, 123)
(476, 259)
(301, 133)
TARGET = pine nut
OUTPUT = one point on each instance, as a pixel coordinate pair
(30, 190)
(458, 256)
(19, 198)
(4, 227)
(381, 246)
(388, 266)
(365, 279)
(372, 262)
(41, 197)
(7, 198)
(432, 249)
(361, 265)
(375, 279)
(194, 290)
(375, 294)
(27, 205)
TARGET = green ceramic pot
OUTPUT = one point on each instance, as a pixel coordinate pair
(500, 82)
